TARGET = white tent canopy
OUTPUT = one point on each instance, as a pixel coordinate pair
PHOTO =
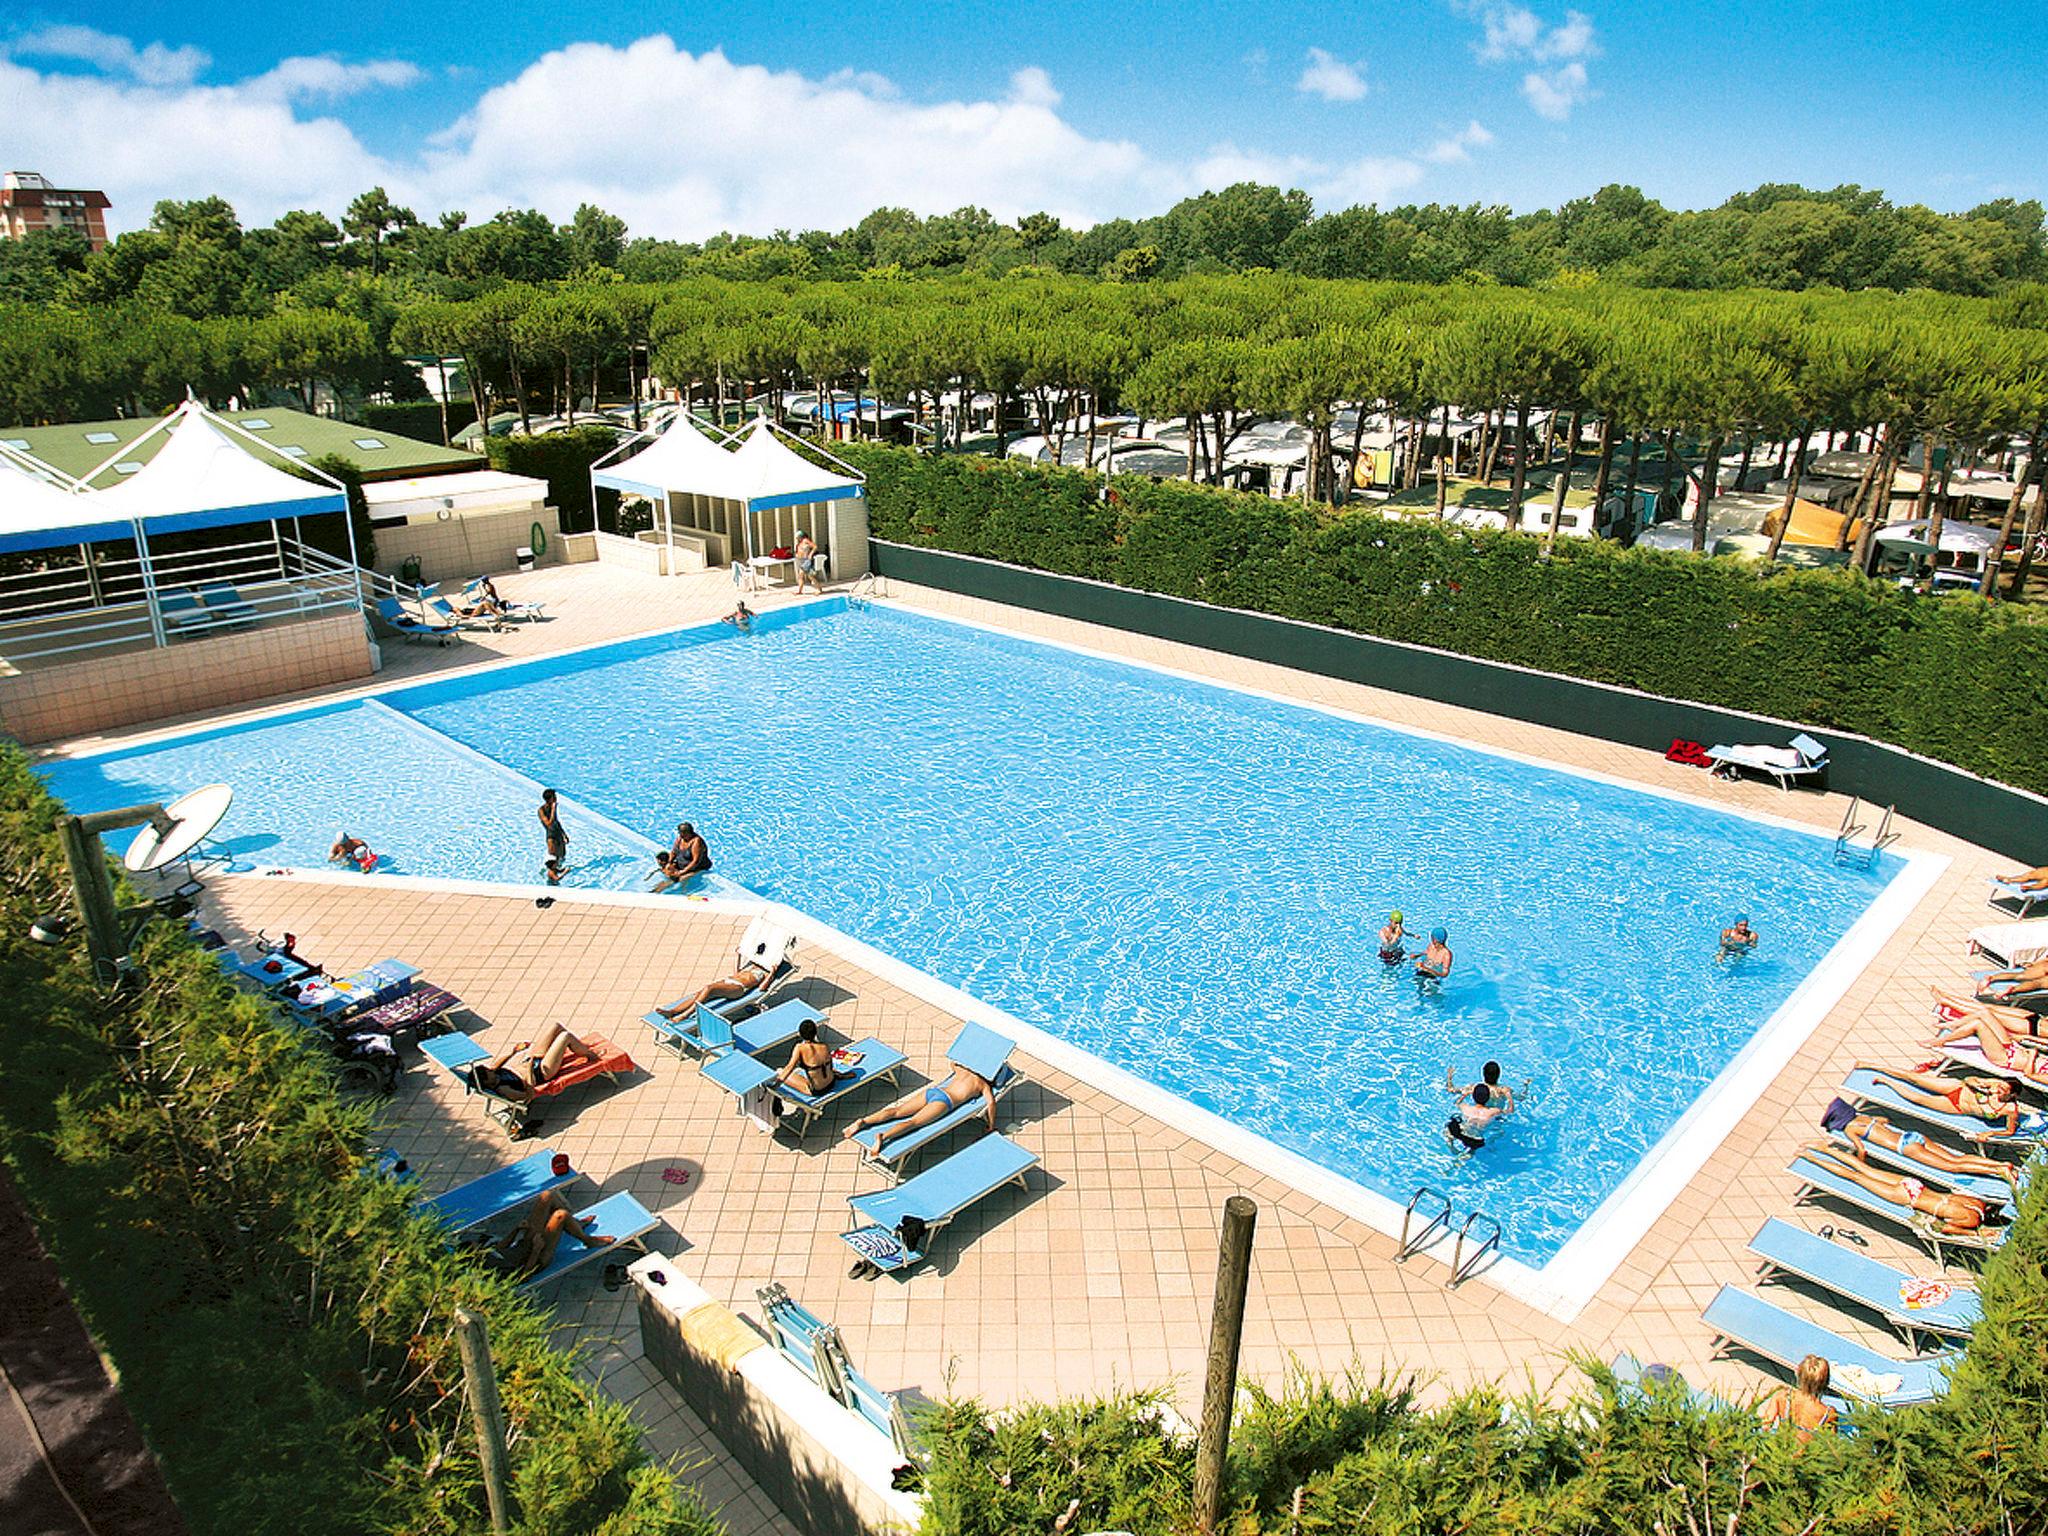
(681, 460)
(36, 512)
(201, 478)
(769, 473)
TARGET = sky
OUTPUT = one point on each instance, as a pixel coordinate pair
(689, 119)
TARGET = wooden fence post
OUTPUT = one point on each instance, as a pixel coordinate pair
(484, 1407)
(1226, 1333)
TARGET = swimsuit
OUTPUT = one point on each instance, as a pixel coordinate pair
(1912, 1189)
(1465, 1138)
(938, 1095)
(538, 1069)
(1909, 1140)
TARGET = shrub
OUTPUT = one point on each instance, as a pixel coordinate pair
(1952, 677)
(279, 1318)
(563, 459)
(417, 419)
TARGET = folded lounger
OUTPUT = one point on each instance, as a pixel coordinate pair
(1815, 1179)
(1769, 1330)
(2012, 944)
(747, 1080)
(981, 1051)
(1964, 1183)
(1868, 1282)
(505, 1189)
(797, 1333)
(1867, 1088)
(2011, 899)
(331, 998)
(389, 610)
(815, 1347)
(619, 1217)
(1805, 758)
(712, 1035)
(225, 604)
(882, 1235)
(458, 1055)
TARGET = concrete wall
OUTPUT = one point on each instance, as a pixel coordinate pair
(127, 687)
(1978, 810)
(465, 546)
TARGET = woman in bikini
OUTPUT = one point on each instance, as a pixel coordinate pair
(1998, 1033)
(1878, 1131)
(920, 1107)
(1803, 1405)
(1957, 1214)
(811, 1060)
(1989, 1099)
(543, 1059)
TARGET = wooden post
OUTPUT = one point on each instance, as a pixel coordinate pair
(490, 1419)
(1226, 1333)
(94, 889)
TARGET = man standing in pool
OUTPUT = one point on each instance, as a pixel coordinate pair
(1434, 963)
(552, 829)
(1738, 939)
(1473, 1117)
(1497, 1092)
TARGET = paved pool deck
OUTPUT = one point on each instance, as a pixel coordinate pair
(1098, 1274)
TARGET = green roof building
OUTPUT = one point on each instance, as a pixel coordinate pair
(78, 447)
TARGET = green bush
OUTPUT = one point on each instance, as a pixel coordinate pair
(1952, 677)
(279, 1318)
(1368, 1458)
(417, 419)
(563, 459)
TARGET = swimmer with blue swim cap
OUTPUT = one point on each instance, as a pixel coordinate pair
(1434, 963)
(1393, 940)
(1737, 939)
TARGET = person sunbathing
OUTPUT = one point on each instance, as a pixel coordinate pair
(2035, 879)
(529, 1247)
(2021, 978)
(1953, 1008)
(1989, 1099)
(1867, 1130)
(747, 978)
(1957, 1214)
(809, 1059)
(921, 1106)
(543, 1059)
(2017, 1052)
(1803, 1405)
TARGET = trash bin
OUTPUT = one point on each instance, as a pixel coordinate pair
(525, 558)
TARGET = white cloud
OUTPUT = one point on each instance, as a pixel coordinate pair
(1331, 78)
(1457, 147)
(1553, 95)
(1514, 32)
(154, 65)
(678, 144)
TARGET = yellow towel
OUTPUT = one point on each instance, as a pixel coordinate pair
(715, 1330)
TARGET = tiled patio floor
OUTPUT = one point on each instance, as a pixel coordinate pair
(1099, 1274)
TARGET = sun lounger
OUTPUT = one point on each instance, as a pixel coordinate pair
(391, 613)
(224, 604)
(439, 610)
(525, 612)
(2011, 899)
(1982, 1187)
(797, 1334)
(712, 1035)
(1804, 759)
(748, 1080)
(419, 1010)
(458, 1056)
(1865, 1087)
(506, 1189)
(816, 1348)
(182, 610)
(1769, 1330)
(619, 1217)
(894, 1227)
(983, 1052)
(2012, 944)
(272, 971)
(1868, 1282)
(332, 998)
(1816, 1179)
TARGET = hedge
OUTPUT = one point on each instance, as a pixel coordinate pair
(278, 1315)
(417, 419)
(1953, 677)
(563, 459)
(1367, 1457)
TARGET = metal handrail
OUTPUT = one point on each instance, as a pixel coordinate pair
(1441, 1218)
(1462, 1268)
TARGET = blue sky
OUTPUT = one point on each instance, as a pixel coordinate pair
(691, 118)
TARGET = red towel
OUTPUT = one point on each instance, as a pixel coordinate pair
(1691, 753)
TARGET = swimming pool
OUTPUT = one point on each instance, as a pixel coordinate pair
(1180, 878)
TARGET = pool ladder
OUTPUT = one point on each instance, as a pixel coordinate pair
(866, 587)
(1846, 851)
(1463, 1265)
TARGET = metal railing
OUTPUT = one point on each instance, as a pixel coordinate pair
(1464, 1265)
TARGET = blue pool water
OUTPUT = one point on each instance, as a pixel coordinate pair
(1185, 880)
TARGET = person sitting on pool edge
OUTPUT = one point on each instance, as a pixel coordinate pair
(1958, 1214)
(688, 855)
(1393, 940)
(1990, 1099)
(1738, 939)
(921, 1106)
(544, 1053)
(1865, 1130)
(1489, 1077)
(1434, 964)
(811, 1059)
(1481, 1112)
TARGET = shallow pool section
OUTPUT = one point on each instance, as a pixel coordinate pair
(1181, 878)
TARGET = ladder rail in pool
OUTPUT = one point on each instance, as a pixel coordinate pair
(1846, 849)
(1442, 1218)
(1464, 1266)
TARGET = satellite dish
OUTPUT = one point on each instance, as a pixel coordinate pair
(192, 817)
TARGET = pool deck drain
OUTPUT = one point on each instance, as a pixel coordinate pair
(1098, 1275)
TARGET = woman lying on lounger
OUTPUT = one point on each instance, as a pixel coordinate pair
(738, 984)
(2021, 978)
(922, 1106)
(2035, 879)
(529, 1247)
(1956, 1213)
(544, 1053)
(1875, 1130)
(1953, 1008)
(1990, 1099)
(2004, 1045)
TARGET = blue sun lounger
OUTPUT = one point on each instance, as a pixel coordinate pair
(981, 1051)
(225, 604)
(932, 1199)
(1866, 1281)
(1865, 1087)
(712, 1035)
(1997, 1191)
(505, 1189)
(1819, 1180)
(620, 1217)
(237, 969)
(1769, 1330)
(815, 1347)
(371, 987)
(797, 1333)
(451, 1053)
(389, 610)
(747, 1080)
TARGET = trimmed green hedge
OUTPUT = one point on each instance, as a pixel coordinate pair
(563, 459)
(1952, 677)
(280, 1320)
(1369, 1458)
(417, 419)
